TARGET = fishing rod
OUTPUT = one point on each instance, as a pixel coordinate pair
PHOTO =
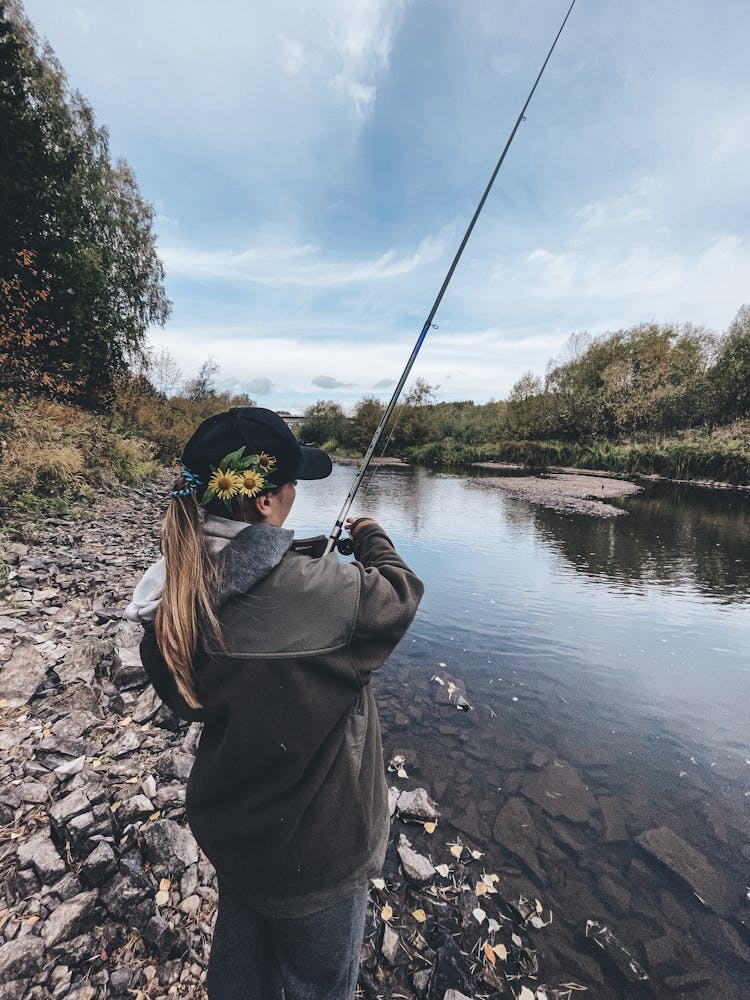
(333, 538)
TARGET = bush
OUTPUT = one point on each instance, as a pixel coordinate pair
(57, 451)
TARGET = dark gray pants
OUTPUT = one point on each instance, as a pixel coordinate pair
(298, 958)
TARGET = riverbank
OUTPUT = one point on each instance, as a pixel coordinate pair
(566, 492)
(105, 892)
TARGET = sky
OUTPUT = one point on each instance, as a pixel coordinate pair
(313, 166)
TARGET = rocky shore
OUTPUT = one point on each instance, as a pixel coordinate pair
(575, 493)
(104, 891)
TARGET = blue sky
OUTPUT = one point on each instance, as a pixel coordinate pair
(313, 168)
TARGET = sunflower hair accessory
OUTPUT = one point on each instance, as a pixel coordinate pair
(239, 475)
(192, 484)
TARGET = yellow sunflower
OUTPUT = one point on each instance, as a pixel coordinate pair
(225, 484)
(266, 462)
(251, 483)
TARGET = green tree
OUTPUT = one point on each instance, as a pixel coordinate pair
(81, 217)
(730, 376)
(324, 421)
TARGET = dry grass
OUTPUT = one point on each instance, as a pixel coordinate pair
(54, 450)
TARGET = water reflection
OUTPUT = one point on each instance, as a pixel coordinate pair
(676, 536)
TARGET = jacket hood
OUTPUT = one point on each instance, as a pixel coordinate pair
(246, 555)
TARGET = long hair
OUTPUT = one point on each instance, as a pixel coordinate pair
(186, 620)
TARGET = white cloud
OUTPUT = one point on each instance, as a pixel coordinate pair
(303, 265)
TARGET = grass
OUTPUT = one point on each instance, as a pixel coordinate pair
(53, 456)
(723, 456)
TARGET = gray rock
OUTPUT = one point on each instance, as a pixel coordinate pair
(146, 706)
(120, 895)
(417, 867)
(22, 957)
(173, 764)
(70, 918)
(62, 811)
(40, 853)
(417, 805)
(613, 820)
(74, 724)
(602, 938)
(120, 981)
(169, 847)
(689, 865)
(18, 989)
(130, 740)
(33, 791)
(100, 865)
(136, 808)
(192, 737)
(390, 946)
(67, 887)
(166, 941)
(22, 674)
(393, 797)
(81, 661)
(559, 790)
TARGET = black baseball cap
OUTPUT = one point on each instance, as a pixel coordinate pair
(257, 430)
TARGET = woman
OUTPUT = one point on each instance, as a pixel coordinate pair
(273, 651)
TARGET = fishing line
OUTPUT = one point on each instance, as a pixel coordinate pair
(335, 533)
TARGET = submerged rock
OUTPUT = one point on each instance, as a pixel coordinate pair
(689, 865)
(416, 866)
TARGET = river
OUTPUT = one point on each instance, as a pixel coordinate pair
(611, 655)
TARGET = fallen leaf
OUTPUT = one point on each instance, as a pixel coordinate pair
(501, 951)
(489, 952)
(387, 912)
(443, 870)
(419, 915)
(115, 806)
(401, 773)
(154, 816)
(492, 925)
(516, 940)
(430, 827)
(377, 883)
(457, 850)
(398, 759)
(478, 914)
(480, 889)
(537, 922)
(161, 898)
(477, 855)
(525, 994)
(165, 885)
(538, 905)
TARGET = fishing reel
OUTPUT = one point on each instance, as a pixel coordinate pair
(316, 546)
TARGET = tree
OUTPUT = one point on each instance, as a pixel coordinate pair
(202, 386)
(324, 421)
(82, 218)
(165, 371)
(730, 375)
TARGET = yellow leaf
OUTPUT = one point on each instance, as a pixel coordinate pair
(501, 951)
(480, 889)
(539, 906)
(387, 912)
(419, 915)
(443, 870)
(489, 952)
(132, 781)
(161, 898)
(401, 773)
(430, 827)
(154, 816)
(516, 940)
(165, 885)
(457, 850)
(115, 806)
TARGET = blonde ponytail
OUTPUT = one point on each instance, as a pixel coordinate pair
(186, 619)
